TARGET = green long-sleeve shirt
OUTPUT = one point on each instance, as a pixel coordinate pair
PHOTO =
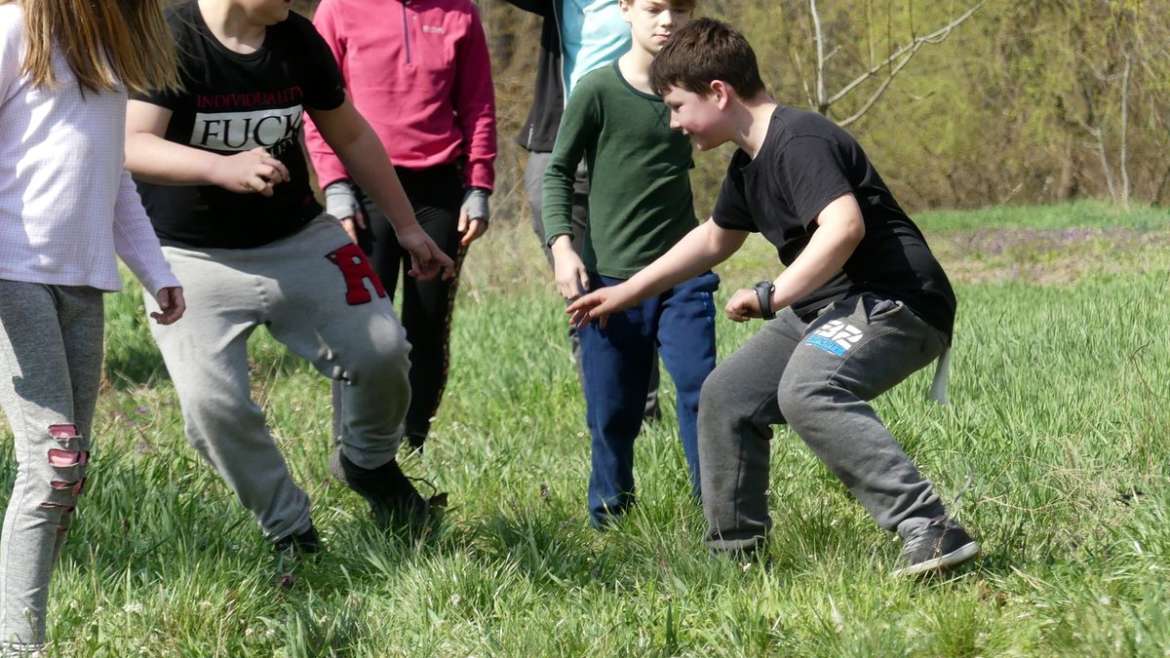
(640, 200)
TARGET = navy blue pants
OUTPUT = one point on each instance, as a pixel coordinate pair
(617, 362)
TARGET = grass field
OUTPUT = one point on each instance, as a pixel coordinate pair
(1055, 451)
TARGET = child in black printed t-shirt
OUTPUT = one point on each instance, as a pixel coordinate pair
(222, 176)
(861, 305)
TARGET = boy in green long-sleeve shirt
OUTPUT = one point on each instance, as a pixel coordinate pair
(640, 205)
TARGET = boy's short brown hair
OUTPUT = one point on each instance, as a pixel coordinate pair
(705, 50)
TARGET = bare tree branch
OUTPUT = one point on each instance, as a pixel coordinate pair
(938, 36)
(880, 91)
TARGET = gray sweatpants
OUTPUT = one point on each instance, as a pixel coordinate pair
(817, 377)
(318, 295)
(50, 367)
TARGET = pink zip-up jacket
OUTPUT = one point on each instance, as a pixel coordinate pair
(419, 72)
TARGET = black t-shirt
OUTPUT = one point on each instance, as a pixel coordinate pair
(231, 103)
(807, 162)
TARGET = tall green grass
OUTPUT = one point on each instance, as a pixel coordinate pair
(1053, 452)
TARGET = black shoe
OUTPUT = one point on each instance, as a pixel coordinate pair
(393, 500)
(291, 551)
(304, 543)
(415, 442)
(938, 545)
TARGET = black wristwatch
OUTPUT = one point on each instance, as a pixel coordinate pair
(764, 290)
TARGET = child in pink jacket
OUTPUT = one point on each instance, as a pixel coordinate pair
(418, 71)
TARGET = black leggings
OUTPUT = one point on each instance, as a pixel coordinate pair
(436, 195)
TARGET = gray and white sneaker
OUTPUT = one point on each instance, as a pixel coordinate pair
(935, 546)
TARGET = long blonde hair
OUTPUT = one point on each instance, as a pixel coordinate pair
(107, 43)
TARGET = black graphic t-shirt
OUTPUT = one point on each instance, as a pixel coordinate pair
(807, 162)
(233, 102)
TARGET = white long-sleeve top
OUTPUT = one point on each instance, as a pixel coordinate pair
(67, 203)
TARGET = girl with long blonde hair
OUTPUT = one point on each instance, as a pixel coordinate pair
(67, 206)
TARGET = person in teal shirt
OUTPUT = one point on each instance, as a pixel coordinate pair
(593, 34)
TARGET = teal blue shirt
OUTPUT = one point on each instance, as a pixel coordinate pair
(593, 34)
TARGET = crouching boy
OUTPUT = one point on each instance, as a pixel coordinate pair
(862, 303)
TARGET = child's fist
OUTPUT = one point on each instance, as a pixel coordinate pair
(743, 306)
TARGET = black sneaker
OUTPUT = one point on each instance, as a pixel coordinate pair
(393, 500)
(305, 543)
(936, 546)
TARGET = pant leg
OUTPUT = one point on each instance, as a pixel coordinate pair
(328, 306)
(617, 362)
(206, 355)
(862, 347)
(428, 306)
(379, 243)
(533, 187)
(737, 408)
(686, 339)
(50, 364)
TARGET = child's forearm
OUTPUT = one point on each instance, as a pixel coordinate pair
(135, 241)
(579, 128)
(701, 249)
(154, 159)
(840, 229)
(557, 201)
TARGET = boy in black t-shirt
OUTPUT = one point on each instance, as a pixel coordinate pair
(222, 176)
(861, 305)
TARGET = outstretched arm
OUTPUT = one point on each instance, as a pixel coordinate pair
(704, 247)
(364, 157)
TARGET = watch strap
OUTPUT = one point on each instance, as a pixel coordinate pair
(764, 290)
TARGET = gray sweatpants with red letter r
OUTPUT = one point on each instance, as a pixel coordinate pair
(318, 295)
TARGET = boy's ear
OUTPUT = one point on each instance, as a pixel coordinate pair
(721, 92)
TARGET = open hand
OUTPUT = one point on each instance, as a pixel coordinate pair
(171, 305)
(426, 259)
(599, 305)
(572, 278)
